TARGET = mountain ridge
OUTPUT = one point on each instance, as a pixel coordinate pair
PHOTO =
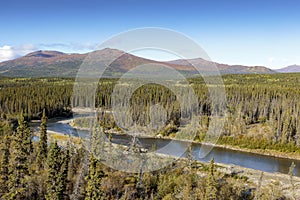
(289, 69)
(58, 64)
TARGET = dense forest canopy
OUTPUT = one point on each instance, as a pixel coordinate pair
(270, 101)
(264, 108)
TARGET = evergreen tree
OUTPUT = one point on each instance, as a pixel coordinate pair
(42, 148)
(55, 181)
(4, 161)
(97, 141)
(211, 184)
(5, 127)
(258, 192)
(293, 186)
(63, 175)
(93, 191)
(21, 148)
(190, 157)
(24, 133)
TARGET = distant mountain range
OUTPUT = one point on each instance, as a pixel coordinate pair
(58, 64)
(289, 69)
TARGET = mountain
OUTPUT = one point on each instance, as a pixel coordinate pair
(224, 68)
(58, 64)
(42, 63)
(289, 69)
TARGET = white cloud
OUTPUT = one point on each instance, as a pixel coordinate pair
(6, 53)
(9, 52)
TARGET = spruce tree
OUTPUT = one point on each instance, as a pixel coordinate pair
(20, 149)
(293, 185)
(42, 148)
(55, 184)
(24, 132)
(93, 191)
(4, 161)
(211, 184)
(63, 175)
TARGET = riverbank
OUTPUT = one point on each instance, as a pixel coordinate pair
(265, 179)
(266, 152)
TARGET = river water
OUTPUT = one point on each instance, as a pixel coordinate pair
(174, 148)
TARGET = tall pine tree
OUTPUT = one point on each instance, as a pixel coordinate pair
(93, 191)
(211, 184)
(42, 148)
(56, 173)
(4, 161)
(20, 149)
(63, 175)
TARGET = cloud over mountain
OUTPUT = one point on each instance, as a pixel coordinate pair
(8, 52)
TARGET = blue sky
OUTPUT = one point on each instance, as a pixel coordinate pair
(256, 32)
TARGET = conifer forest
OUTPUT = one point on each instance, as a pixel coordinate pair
(262, 115)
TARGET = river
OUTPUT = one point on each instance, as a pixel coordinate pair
(220, 155)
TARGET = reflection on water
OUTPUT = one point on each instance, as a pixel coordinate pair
(174, 148)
